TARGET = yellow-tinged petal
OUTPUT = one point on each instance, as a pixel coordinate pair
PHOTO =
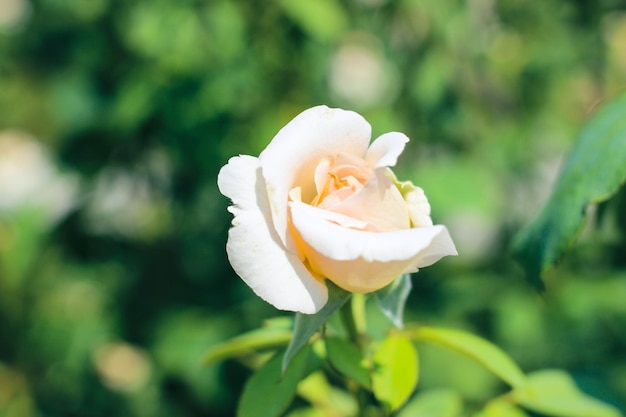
(417, 203)
(255, 250)
(364, 261)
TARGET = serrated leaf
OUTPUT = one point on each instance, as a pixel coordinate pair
(347, 359)
(593, 172)
(554, 392)
(434, 403)
(396, 371)
(269, 392)
(305, 325)
(476, 348)
(392, 299)
(247, 343)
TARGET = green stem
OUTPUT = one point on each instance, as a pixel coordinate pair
(354, 328)
(358, 311)
(347, 318)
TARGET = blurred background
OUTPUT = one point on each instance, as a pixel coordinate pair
(115, 117)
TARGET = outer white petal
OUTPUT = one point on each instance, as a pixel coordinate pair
(341, 243)
(294, 153)
(385, 150)
(365, 261)
(255, 251)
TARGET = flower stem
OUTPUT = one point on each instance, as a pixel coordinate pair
(353, 319)
(347, 318)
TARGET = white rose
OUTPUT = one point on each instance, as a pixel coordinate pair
(321, 203)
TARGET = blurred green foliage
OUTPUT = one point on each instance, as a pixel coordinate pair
(115, 117)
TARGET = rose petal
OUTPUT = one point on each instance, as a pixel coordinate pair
(321, 176)
(378, 203)
(416, 201)
(347, 244)
(255, 251)
(363, 261)
(340, 219)
(385, 150)
(294, 153)
(419, 208)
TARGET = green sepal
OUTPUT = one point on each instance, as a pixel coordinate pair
(305, 325)
(392, 299)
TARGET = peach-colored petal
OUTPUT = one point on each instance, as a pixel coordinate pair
(295, 152)
(255, 250)
(340, 219)
(385, 150)
(321, 176)
(379, 203)
(364, 261)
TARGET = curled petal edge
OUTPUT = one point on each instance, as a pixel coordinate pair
(385, 150)
(295, 151)
(340, 243)
(256, 252)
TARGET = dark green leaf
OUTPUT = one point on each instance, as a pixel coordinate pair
(475, 348)
(305, 325)
(269, 392)
(555, 393)
(396, 371)
(392, 299)
(593, 172)
(347, 359)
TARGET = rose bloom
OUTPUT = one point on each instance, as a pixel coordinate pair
(321, 203)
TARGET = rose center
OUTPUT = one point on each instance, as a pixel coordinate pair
(338, 179)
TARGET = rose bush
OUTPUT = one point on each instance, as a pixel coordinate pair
(321, 203)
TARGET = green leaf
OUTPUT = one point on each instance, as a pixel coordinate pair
(392, 299)
(501, 408)
(434, 403)
(593, 172)
(305, 325)
(476, 348)
(327, 399)
(269, 392)
(555, 393)
(347, 359)
(307, 412)
(396, 371)
(247, 343)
